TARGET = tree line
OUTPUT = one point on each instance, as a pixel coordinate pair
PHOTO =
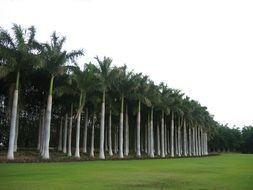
(45, 95)
(227, 139)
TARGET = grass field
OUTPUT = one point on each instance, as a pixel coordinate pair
(224, 172)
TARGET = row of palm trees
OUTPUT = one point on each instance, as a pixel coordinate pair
(163, 120)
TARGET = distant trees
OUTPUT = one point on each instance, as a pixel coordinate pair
(226, 139)
(247, 139)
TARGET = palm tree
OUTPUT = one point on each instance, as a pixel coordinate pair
(105, 76)
(18, 55)
(85, 83)
(54, 61)
(140, 89)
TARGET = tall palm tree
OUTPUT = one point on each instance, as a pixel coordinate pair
(85, 83)
(54, 61)
(18, 55)
(105, 76)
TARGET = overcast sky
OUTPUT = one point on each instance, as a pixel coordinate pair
(204, 48)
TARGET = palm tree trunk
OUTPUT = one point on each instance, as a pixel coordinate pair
(158, 139)
(126, 133)
(48, 120)
(116, 140)
(110, 132)
(172, 136)
(185, 138)
(121, 129)
(194, 141)
(162, 135)
(16, 134)
(60, 136)
(138, 152)
(85, 131)
(10, 154)
(92, 137)
(151, 135)
(190, 141)
(70, 130)
(65, 134)
(77, 150)
(102, 129)
(146, 137)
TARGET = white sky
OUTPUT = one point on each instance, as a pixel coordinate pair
(204, 48)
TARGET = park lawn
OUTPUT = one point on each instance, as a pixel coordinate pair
(224, 172)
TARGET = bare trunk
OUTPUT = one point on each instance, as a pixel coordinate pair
(16, 134)
(162, 135)
(47, 127)
(158, 139)
(70, 131)
(172, 136)
(190, 142)
(110, 133)
(10, 155)
(185, 138)
(138, 152)
(102, 129)
(77, 151)
(65, 134)
(85, 131)
(151, 135)
(126, 133)
(121, 130)
(92, 137)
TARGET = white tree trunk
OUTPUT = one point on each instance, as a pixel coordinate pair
(92, 137)
(126, 133)
(121, 131)
(70, 131)
(77, 150)
(185, 138)
(172, 136)
(116, 140)
(65, 134)
(110, 133)
(10, 154)
(193, 142)
(190, 141)
(47, 127)
(102, 130)
(151, 135)
(138, 135)
(146, 138)
(158, 139)
(60, 136)
(16, 134)
(179, 140)
(162, 136)
(85, 131)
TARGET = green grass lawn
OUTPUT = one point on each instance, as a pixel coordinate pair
(228, 171)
